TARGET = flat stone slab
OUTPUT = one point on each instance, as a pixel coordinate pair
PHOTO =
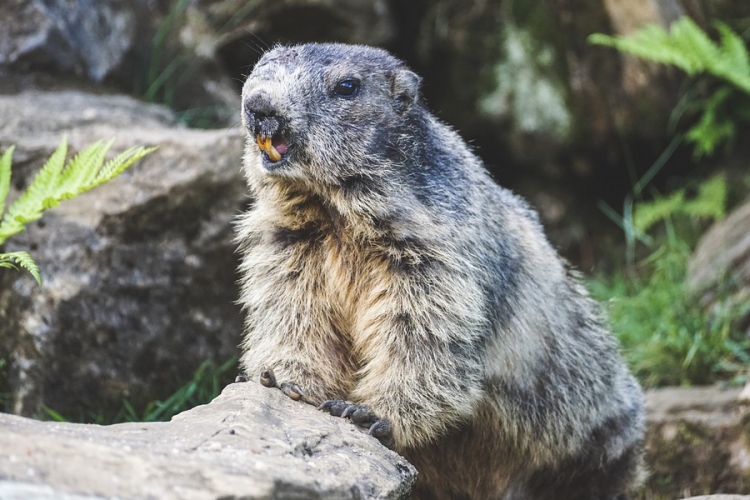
(250, 442)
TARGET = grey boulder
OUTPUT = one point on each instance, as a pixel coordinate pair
(251, 443)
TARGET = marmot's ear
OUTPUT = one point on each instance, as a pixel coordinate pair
(405, 89)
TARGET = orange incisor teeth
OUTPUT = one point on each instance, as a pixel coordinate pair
(264, 143)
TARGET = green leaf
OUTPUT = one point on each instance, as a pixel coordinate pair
(653, 43)
(689, 48)
(5, 162)
(55, 416)
(58, 181)
(79, 168)
(649, 213)
(714, 126)
(119, 164)
(688, 39)
(14, 260)
(711, 200)
(733, 49)
(30, 205)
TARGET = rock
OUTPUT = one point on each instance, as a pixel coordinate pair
(744, 395)
(139, 274)
(134, 45)
(719, 270)
(697, 441)
(255, 441)
(250, 442)
(85, 37)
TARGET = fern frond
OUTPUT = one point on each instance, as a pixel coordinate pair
(91, 174)
(689, 48)
(81, 169)
(118, 164)
(711, 200)
(58, 181)
(647, 214)
(714, 126)
(733, 61)
(688, 38)
(5, 161)
(31, 204)
(733, 49)
(55, 182)
(14, 260)
(652, 43)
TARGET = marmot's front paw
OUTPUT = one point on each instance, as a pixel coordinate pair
(268, 379)
(362, 415)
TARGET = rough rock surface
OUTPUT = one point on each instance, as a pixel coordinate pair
(250, 442)
(697, 442)
(142, 46)
(84, 37)
(139, 274)
(719, 270)
(255, 441)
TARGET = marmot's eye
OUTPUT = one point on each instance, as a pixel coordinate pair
(347, 88)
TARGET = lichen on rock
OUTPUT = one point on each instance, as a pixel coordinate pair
(527, 90)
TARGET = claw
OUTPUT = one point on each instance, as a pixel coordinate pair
(292, 390)
(327, 404)
(267, 378)
(363, 415)
(348, 411)
(335, 406)
(381, 428)
(360, 414)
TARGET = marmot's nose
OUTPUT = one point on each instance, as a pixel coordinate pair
(261, 114)
(260, 105)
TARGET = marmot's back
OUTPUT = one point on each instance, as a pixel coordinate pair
(385, 273)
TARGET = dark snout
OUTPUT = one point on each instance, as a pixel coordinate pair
(261, 116)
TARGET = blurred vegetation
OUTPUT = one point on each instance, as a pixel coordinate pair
(171, 67)
(207, 383)
(666, 336)
(722, 102)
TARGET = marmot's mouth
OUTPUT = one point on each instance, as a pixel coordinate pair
(274, 147)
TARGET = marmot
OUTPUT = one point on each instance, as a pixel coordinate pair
(386, 276)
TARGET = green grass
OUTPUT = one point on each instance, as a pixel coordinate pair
(667, 337)
(207, 383)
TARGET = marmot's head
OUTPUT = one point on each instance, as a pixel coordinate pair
(326, 114)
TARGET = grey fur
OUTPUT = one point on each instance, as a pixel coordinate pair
(382, 265)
